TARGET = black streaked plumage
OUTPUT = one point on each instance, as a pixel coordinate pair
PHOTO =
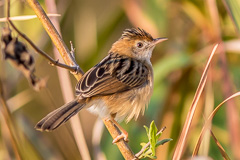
(123, 75)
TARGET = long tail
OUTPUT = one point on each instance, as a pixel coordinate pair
(59, 116)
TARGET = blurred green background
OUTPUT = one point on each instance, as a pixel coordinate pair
(192, 28)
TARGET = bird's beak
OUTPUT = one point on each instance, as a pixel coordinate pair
(158, 40)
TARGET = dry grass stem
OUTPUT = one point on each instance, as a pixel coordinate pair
(7, 119)
(65, 85)
(223, 152)
(96, 140)
(183, 137)
(28, 17)
(208, 121)
(232, 113)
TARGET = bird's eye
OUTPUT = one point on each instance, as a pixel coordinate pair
(139, 44)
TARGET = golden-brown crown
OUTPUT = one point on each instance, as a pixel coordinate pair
(136, 33)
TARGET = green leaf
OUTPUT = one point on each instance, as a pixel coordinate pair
(146, 128)
(143, 144)
(153, 137)
(147, 153)
(152, 132)
(163, 141)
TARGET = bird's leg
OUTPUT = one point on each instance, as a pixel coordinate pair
(124, 133)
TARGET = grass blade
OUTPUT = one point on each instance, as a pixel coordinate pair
(223, 152)
(182, 140)
(205, 127)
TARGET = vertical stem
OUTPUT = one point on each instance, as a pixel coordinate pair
(65, 85)
(6, 116)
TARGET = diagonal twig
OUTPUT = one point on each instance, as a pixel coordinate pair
(74, 68)
(55, 36)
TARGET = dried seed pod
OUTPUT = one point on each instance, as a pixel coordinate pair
(18, 55)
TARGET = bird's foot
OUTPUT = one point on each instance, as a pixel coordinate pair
(123, 135)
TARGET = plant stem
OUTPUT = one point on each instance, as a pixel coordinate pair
(55, 37)
(65, 84)
(122, 145)
(6, 116)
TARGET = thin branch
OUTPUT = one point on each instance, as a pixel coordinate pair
(55, 37)
(74, 69)
(148, 144)
(122, 145)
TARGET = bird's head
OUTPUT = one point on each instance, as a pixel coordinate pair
(136, 43)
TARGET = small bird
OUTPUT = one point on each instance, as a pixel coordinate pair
(117, 88)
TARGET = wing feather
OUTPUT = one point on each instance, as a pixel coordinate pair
(113, 74)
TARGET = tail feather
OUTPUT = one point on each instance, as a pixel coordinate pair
(59, 116)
